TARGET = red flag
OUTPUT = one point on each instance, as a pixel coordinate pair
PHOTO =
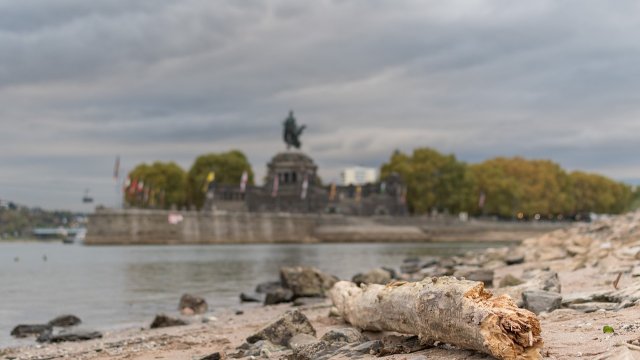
(134, 187)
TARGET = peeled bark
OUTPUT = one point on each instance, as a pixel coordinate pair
(457, 312)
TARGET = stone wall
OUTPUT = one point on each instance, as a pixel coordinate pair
(152, 227)
(135, 226)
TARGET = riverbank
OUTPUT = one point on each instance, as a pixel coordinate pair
(588, 272)
(159, 227)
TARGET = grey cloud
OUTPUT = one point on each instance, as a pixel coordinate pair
(167, 80)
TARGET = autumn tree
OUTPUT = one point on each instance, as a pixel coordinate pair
(599, 194)
(160, 185)
(434, 180)
(227, 168)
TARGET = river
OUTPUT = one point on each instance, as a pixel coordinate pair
(121, 286)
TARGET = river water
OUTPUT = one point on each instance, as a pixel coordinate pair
(120, 286)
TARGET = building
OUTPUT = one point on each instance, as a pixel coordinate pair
(358, 175)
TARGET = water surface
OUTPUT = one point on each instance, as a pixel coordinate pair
(119, 286)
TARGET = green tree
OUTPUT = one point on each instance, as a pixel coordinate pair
(165, 185)
(434, 180)
(227, 167)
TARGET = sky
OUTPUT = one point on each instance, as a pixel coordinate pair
(162, 80)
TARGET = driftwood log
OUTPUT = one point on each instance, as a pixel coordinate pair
(457, 312)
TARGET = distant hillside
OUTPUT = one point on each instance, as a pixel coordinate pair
(17, 221)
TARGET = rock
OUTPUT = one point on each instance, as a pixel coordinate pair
(265, 287)
(279, 332)
(65, 321)
(369, 347)
(514, 258)
(486, 276)
(214, 356)
(187, 311)
(312, 351)
(64, 336)
(539, 301)
(300, 340)
(278, 296)
(348, 335)
(163, 320)
(306, 281)
(21, 331)
(333, 312)
(391, 271)
(594, 306)
(429, 261)
(400, 344)
(375, 276)
(635, 272)
(510, 280)
(410, 267)
(411, 260)
(262, 348)
(196, 303)
(239, 312)
(244, 297)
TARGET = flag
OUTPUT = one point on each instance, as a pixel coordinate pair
(383, 187)
(358, 193)
(211, 176)
(116, 168)
(305, 186)
(481, 200)
(243, 181)
(332, 191)
(134, 186)
(274, 192)
(140, 185)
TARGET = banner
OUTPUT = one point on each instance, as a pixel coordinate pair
(274, 192)
(243, 181)
(305, 186)
(332, 191)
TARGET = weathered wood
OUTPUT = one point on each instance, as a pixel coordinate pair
(458, 312)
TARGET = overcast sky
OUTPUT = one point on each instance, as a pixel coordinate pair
(83, 81)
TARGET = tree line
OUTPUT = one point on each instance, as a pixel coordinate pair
(505, 187)
(165, 184)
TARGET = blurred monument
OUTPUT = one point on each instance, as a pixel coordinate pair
(292, 132)
(292, 185)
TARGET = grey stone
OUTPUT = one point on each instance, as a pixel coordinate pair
(214, 356)
(484, 275)
(280, 331)
(539, 301)
(513, 259)
(244, 297)
(400, 344)
(369, 347)
(162, 320)
(196, 304)
(21, 331)
(306, 281)
(589, 307)
(262, 348)
(348, 335)
(65, 336)
(65, 321)
(410, 267)
(278, 296)
(265, 287)
(300, 340)
(509, 280)
(375, 276)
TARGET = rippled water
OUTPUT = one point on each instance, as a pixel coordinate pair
(112, 287)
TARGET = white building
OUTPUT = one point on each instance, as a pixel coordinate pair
(358, 175)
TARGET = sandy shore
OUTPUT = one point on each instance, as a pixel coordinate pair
(587, 259)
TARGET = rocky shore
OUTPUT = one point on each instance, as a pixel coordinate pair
(580, 286)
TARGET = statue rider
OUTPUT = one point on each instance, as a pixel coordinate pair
(292, 132)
